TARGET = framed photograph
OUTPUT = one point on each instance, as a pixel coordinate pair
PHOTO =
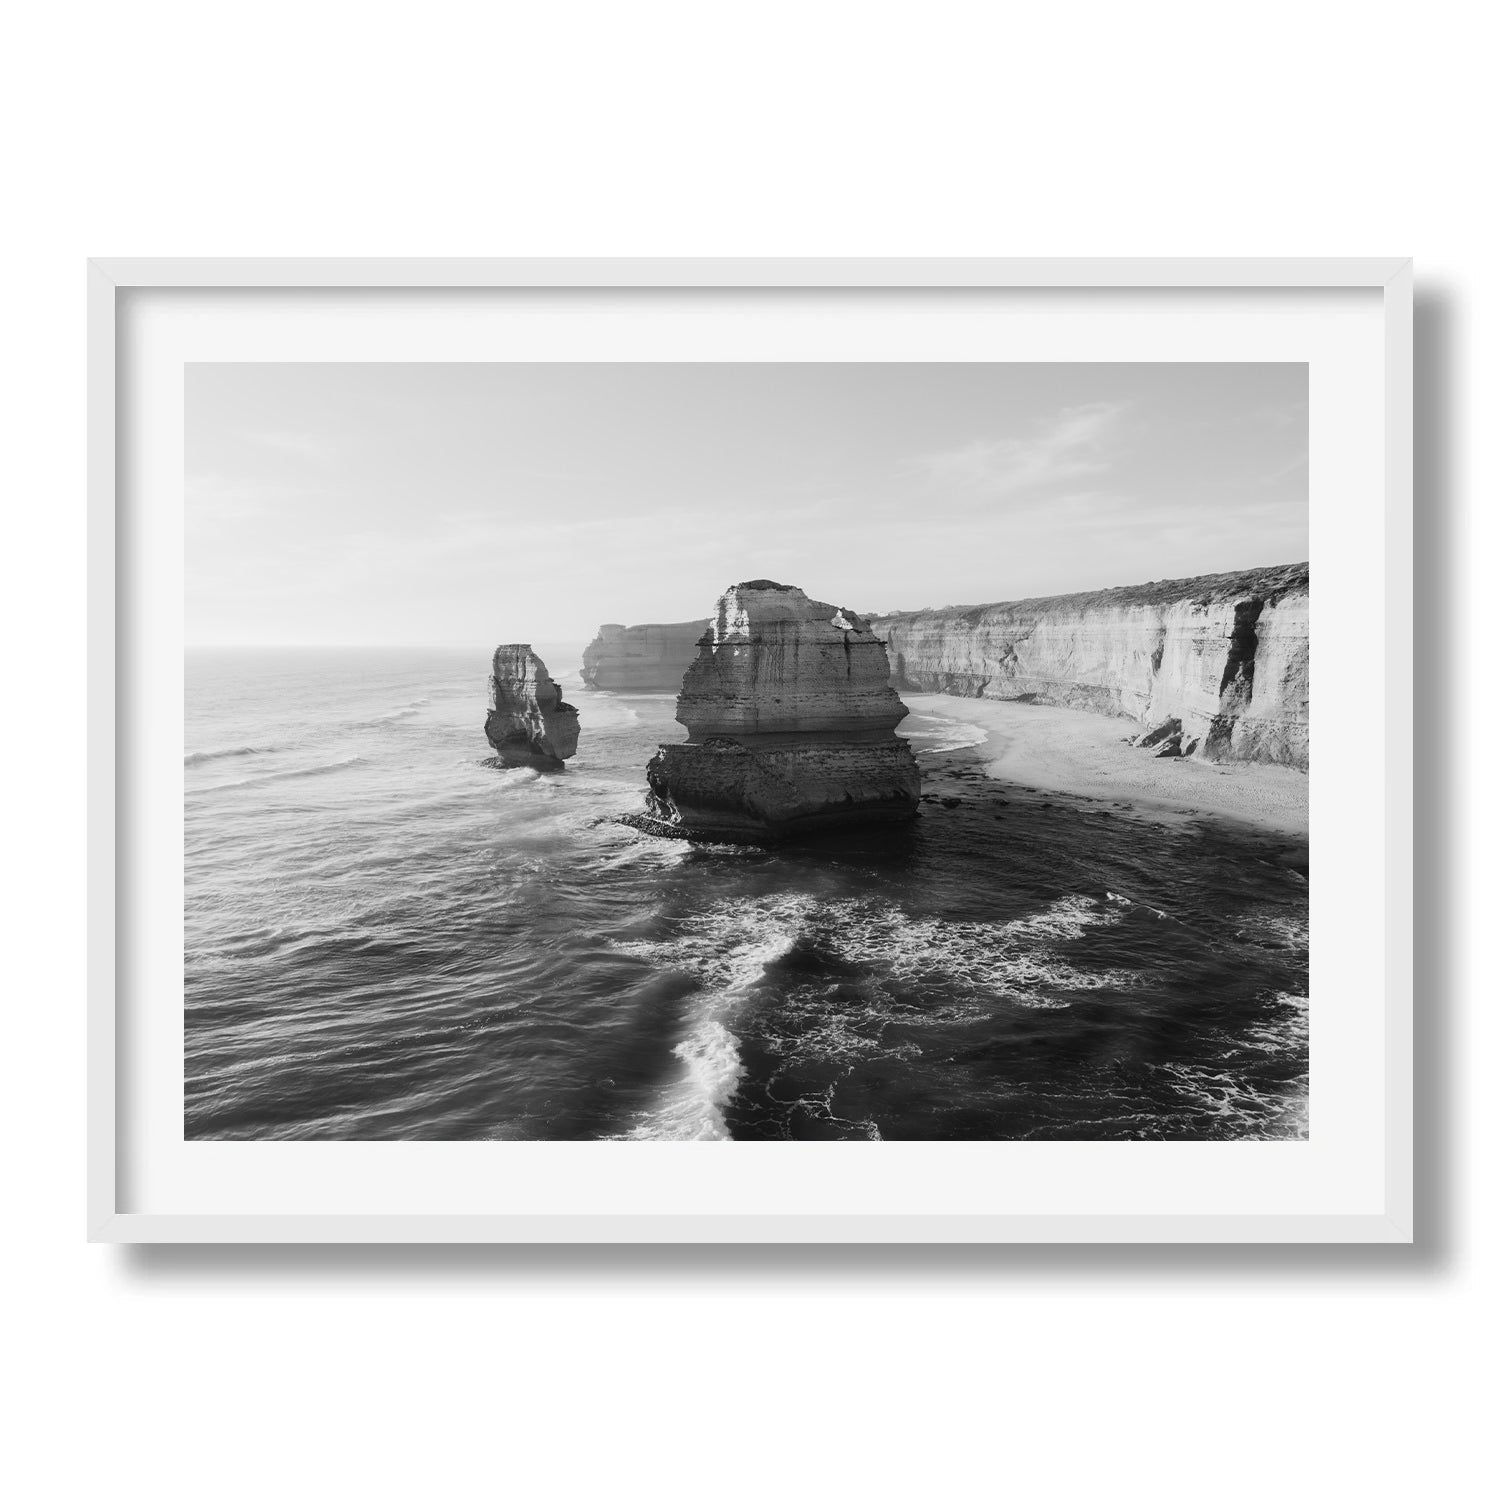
(767, 750)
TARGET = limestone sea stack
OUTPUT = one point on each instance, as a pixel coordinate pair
(791, 721)
(641, 658)
(528, 722)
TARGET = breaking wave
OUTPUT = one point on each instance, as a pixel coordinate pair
(231, 752)
(601, 709)
(406, 711)
(902, 963)
(322, 769)
(731, 957)
(933, 733)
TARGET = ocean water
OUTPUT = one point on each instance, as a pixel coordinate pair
(388, 937)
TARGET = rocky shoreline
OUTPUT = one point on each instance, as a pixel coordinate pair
(1220, 661)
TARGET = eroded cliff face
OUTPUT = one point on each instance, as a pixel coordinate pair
(1221, 661)
(642, 658)
(528, 722)
(790, 716)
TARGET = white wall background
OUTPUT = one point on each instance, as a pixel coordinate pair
(777, 128)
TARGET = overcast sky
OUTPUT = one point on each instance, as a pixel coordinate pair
(473, 504)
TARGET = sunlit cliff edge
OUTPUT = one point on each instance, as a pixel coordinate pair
(1214, 667)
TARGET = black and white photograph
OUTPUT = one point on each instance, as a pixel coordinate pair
(746, 752)
(663, 763)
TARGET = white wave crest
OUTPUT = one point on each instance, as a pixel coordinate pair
(729, 950)
(935, 733)
(319, 770)
(230, 752)
(404, 712)
(602, 710)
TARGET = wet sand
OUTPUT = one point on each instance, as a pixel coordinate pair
(1072, 752)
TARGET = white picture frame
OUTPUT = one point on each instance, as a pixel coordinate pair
(1377, 1208)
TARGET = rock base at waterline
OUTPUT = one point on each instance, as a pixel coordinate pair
(765, 793)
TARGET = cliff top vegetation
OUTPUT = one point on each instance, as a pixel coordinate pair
(1266, 584)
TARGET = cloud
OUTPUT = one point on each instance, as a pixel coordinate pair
(247, 509)
(1071, 445)
(1294, 465)
(1286, 414)
(296, 445)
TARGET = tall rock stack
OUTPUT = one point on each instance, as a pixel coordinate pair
(528, 722)
(791, 721)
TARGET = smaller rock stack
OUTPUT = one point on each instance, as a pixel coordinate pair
(528, 722)
(791, 722)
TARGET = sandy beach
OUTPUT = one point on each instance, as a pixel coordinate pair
(1088, 755)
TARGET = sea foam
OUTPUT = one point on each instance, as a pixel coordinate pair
(934, 733)
(731, 947)
(731, 955)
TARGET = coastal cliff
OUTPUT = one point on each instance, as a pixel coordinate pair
(1215, 667)
(528, 723)
(791, 721)
(641, 658)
